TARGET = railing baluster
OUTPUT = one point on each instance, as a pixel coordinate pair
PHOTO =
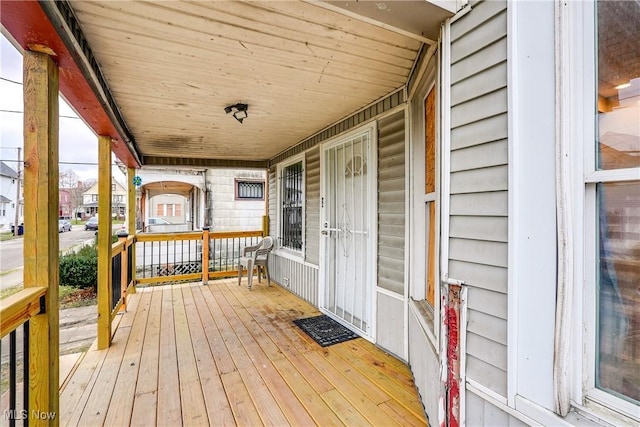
(25, 370)
(13, 411)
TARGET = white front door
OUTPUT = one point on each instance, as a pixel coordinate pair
(348, 210)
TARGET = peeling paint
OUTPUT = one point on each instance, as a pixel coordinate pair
(452, 319)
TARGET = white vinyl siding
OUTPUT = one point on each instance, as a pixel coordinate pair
(312, 208)
(479, 186)
(272, 204)
(391, 202)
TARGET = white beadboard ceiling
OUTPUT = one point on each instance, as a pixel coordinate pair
(173, 66)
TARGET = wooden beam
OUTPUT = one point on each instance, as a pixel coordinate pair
(41, 238)
(104, 242)
(205, 255)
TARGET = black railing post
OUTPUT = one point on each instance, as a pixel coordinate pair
(123, 235)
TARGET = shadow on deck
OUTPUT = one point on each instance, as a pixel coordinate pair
(221, 355)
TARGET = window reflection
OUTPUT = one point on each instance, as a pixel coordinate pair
(619, 288)
(619, 84)
(618, 147)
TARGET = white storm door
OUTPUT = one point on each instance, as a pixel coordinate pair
(347, 212)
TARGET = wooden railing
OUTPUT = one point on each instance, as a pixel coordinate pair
(122, 267)
(156, 258)
(16, 311)
(173, 257)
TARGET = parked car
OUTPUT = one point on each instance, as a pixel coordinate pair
(63, 225)
(91, 224)
(157, 221)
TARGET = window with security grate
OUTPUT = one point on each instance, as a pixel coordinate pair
(291, 182)
(250, 190)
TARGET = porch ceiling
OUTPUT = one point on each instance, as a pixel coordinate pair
(172, 67)
(168, 187)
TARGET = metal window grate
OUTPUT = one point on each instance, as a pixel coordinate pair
(292, 198)
(250, 190)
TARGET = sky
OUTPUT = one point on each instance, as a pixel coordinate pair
(78, 143)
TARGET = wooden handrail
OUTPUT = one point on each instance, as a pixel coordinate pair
(194, 235)
(20, 307)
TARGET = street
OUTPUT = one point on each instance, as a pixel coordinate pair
(11, 251)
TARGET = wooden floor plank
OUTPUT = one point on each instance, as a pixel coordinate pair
(354, 395)
(402, 415)
(194, 410)
(244, 411)
(217, 344)
(380, 374)
(101, 393)
(121, 405)
(145, 403)
(169, 400)
(315, 405)
(376, 394)
(218, 408)
(343, 409)
(293, 410)
(223, 355)
(77, 389)
(264, 401)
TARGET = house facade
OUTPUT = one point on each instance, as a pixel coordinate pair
(220, 198)
(482, 223)
(118, 200)
(8, 195)
(478, 217)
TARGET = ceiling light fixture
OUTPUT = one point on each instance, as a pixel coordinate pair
(239, 111)
(623, 86)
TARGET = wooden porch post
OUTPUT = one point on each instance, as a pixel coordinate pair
(131, 221)
(41, 239)
(104, 242)
(205, 255)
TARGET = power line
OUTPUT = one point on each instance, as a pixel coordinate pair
(11, 81)
(22, 112)
(60, 163)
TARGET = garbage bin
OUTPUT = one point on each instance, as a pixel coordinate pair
(20, 229)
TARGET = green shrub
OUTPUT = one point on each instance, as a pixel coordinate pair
(80, 270)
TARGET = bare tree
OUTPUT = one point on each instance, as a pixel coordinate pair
(70, 181)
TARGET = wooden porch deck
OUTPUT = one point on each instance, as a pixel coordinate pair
(221, 355)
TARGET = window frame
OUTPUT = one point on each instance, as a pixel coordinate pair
(585, 175)
(428, 315)
(239, 181)
(297, 253)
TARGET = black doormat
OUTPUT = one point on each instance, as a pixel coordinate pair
(324, 330)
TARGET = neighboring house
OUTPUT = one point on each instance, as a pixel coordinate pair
(224, 199)
(118, 200)
(236, 199)
(8, 194)
(65, 206)
(170, 207)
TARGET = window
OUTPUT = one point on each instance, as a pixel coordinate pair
(168, 209)
(249, 190)
(291, 204)
(614, 179)
(430, 194)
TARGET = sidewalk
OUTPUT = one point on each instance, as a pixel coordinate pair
(12, 278)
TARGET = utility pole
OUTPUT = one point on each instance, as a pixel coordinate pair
(15, 223)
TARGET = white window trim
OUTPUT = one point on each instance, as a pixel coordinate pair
(585, 396)
(418, 199)
(293, 254)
